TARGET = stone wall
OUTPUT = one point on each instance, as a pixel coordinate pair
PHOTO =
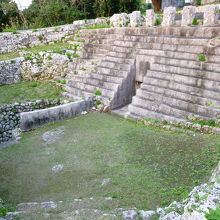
(33, 67)
(10, 71)
(35, 119)
(24, 39)
(10, 115)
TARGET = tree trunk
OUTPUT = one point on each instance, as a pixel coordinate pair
(157, 4)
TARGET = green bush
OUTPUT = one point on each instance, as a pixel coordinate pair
(157, 22)
(98, 102)
(213, 214)
(195, 21)
(202, 57)
(198, 2)
(98, 92)
(61, 81)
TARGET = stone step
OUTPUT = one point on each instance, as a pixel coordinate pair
(172, 47)
(118, 59)
(198, 82)
(114, 65)
(95, 50)
(160, 39)
(181, 107)
(141, 112)
(182, 87)
(176, 54)
(176, 94)
(121, 49)
(158, 107)
(71, 96)
(119, 54)
(207, 75)
(215, 67)
(111, 71)
(107, 78)
(77, 91)
(92, 88)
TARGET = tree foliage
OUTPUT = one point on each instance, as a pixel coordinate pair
(9, 14)
(56, 12)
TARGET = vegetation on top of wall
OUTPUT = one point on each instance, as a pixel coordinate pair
(97, 27)
(58, 46)
(29, 91)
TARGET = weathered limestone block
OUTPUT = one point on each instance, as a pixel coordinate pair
(210, 15)
(169, 16)
(150, 18)
(188, 15)
(135, 18)
(101, 21)
(79, 23)
(119, 20)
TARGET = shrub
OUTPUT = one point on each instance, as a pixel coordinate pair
(213, 214)
(40, 38)
(157, 22)
(98, 102)
(198, 2)
(98, 92)
(61, 81)
(195, 21)
(12, 62)
(202, 57)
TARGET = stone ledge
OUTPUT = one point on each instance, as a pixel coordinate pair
(38, 118)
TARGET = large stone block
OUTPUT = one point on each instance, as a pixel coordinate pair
(169, 16)
(150, 18)
(210, 15)
(119, 20)
(188, 15)
(135, 18)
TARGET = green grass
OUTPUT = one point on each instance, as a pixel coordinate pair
(213, 214)
(55, 47)
(148, 167)
(97, 27)
(26, 91)
(13, 31)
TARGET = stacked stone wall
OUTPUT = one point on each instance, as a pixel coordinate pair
(10, 115)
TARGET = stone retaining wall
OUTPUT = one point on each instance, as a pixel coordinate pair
(10, 71)
(10, 115)
(12, 42)
(35, 119)
(33, 67)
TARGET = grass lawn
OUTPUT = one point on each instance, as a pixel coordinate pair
(28, 91)
(36, 49)
(147, 167)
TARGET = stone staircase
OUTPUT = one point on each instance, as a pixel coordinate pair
(176, 85)
(113, 75)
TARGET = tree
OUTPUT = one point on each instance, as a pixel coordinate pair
(9, 14)
(157, 4)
